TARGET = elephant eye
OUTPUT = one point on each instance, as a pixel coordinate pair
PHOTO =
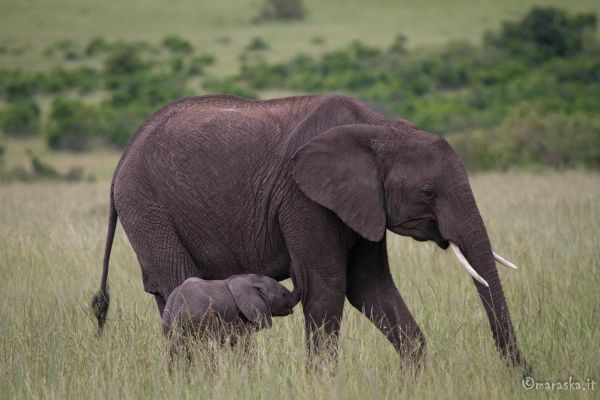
(428, 191)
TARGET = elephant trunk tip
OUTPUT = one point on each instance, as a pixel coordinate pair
(100, 303)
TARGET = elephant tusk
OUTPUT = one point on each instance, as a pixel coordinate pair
(504, 261)
(463, 261)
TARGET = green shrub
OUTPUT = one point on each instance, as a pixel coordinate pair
(18, 84)
(177, 44)
(197, 63)
(116, 125)
(398, 46)
(257, 44)
(528, 137)
(71, 125)
(149, 90)
(227, 86)
(281, 10)
(124, 60)
(176, 64)
(97, 46)
(58, 80)
(544, 33)
(20, 118)
(317, 40)
(2, 151)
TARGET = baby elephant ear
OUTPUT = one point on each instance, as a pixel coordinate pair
(338, 169)
(250, 300)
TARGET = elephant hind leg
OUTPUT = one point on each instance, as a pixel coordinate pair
(163, 258)
(371, 290)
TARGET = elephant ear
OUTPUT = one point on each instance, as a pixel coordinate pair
(339, 170)
(250, 299)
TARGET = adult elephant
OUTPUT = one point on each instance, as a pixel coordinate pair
(220, 185)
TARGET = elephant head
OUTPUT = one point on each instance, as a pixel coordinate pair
(259, 297)
(412, 183)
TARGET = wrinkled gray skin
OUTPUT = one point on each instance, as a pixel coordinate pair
(244, 302)
(215, 186)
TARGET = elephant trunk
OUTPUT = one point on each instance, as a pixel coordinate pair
(469, 234)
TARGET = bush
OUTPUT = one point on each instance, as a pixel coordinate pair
(528, 137)
(96, 46)
(18, 85)
(281, 10)
(116, 125)
(124, 60)
(148, 91)
(20, 118)
(257, 44)
(544, 33)
(2, 151)
(58, 80)
(71, 125)
(177, 44)
(176, 64)
(399, 44)
(227, 86)
(197, 63)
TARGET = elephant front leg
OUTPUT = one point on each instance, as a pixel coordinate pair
(317, 246)
(371, 290)
(323, 304)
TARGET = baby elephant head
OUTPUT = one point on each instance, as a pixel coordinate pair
(259, 297)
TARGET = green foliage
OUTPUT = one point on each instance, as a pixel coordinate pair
(116, 124)
(199, 62)
(177, 44)
(21, 118)
(58, 80)
(399, 44)
(2, 151)
(257, 44)
(544, 33)
(71, 125)
(148, 90)
(462, 87)
(97, 46)
(65, 47)
(548, 61)
(17, 84)
(528, 137)
(281, 10)
(177, 64)
(227, 86)
(124, 60)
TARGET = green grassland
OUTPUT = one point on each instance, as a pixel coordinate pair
(51, 245)
(225, 27)
(52, 233)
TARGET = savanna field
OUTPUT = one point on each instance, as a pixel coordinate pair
(527, 128)
(52, 242)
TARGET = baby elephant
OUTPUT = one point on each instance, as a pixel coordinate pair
(219, 308)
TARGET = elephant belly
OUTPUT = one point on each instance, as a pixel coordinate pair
(224, 251)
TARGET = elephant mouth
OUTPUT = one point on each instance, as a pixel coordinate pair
(421, 229)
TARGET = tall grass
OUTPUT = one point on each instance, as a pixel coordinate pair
(51, 242)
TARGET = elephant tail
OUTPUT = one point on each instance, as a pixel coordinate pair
(101, 299)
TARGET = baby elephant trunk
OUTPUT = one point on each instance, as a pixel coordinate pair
(295, 298)
(290, 301)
